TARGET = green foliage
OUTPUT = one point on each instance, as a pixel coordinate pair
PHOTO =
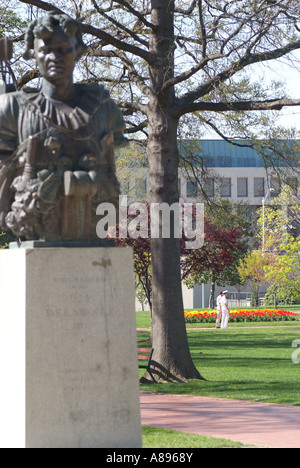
(131, 160)
(227, 232)
(282, 246)
(281, 216)
(284, 270)
(164, 438)
(11, 23)
(252, 267)
(5, 239)
(281, 299)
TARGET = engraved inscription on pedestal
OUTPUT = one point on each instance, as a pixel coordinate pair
(81, 370)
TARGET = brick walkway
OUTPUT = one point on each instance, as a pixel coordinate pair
(262, 424)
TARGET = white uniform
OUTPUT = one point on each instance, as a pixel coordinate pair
(225, 312)
(219, 310)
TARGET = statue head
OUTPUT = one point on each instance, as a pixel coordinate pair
(44, 28)
(55, 42)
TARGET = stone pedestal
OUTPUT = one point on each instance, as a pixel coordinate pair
(68, 358)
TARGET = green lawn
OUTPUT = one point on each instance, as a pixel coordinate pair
(164, 438)
(241, 363)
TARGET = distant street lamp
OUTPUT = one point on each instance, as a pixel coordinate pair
(6, 54)
(264, 200)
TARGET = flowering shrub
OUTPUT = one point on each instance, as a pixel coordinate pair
(255, 315)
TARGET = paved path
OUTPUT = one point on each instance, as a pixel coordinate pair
(263, 424)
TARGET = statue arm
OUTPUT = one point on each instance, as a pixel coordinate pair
(8, 126)
(8, 146)
(116, 124)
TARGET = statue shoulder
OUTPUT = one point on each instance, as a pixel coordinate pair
(105, 108)
(9, 103)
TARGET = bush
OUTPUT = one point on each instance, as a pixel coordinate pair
(288, 298)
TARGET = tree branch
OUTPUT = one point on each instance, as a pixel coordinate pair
(187, 74)
(224, 137)
(89, 29)
(237, 106)
(188, 11)
(120, 26)
(132, 106)
(136, 128)
(27, 77)
(249, 59)
(134, 76)
(202, 28)
(136, 13)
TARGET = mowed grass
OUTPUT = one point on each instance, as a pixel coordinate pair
(165, 438)
(242, 363)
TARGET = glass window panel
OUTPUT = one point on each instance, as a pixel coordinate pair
(209, 188)
(226, 188)
(276, 185)
(242, 187)
(259, 187)
(191, 189)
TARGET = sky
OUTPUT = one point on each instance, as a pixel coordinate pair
(289, 74)
(286, 71)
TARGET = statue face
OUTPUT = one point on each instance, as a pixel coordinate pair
(56, 57)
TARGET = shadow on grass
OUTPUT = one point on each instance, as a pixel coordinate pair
(252, 365)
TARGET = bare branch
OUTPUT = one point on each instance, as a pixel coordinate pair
(187, 74)
(134, 75)
(248, 59)
(224, 137)
(121, 27)
(203, 28)
(89, 29)
(132, 106)
(136, 128)
(188, 11)
(136, 13)
(239, 106)
(27, 77)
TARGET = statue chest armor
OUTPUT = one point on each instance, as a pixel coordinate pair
(76, 131)
(65, 168)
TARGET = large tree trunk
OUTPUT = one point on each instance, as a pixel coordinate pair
(171, 358)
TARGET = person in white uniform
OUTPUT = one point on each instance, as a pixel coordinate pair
(225, 310)
(219, 309)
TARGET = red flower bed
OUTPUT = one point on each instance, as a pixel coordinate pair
(240, 315)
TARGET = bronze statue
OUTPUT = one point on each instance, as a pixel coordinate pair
(57, 143)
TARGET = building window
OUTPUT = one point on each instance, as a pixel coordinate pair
(191, 189)
(226, 188)
(259, 187)
(242, 187)
(209, 188)
(276, 185)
